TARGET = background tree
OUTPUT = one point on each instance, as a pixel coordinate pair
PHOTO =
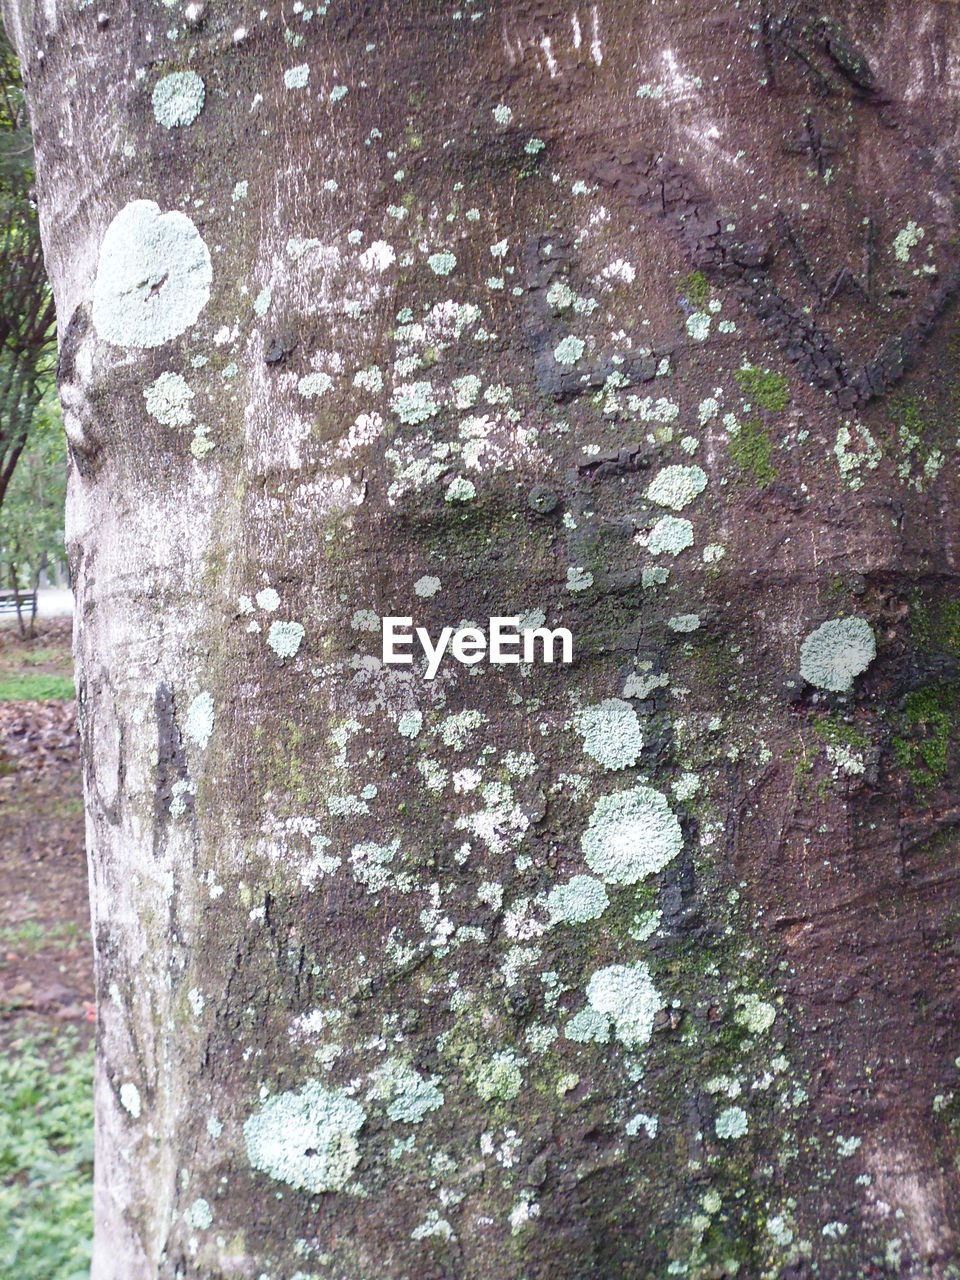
(639, 318)
(31, 517)
(27, 341)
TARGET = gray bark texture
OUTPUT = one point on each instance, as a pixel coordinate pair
(639, 318)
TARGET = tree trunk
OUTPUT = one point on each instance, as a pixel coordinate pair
(637, 320)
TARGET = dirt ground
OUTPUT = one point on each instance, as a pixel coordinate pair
(46, 975)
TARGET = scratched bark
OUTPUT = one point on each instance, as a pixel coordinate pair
(637, 318)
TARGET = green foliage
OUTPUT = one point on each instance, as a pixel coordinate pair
(695, 288)
(764, 387)
(46, 1158)
(31, 517)
(27, 341)
(751, 450)
(29, 688)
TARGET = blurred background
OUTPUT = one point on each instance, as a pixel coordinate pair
(47, 1014)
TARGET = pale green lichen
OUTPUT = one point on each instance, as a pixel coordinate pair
(837, 652)
(409, 1096)
(285, 638)
(410, 724)
(441, 264)
(684, 623)
(676, 487)
(414, 403)
(153, 277)
(178, 99)
(631, 835)
(579, 579)
(314, 384)
(756, 1015)
(200, 1215)
(611, 733)
(499, 1077)
(168, 400)
(581, 899)
(671, 534)
(621, 998)
(200, 442)
(569, 350)
(905, 240)
(371, 865)
(261, 303)
(426, 586)
(460, 490)
(307, 1139)
(296, 77)
(650, 1124)
(731, 1123)
(198, 725)
(698, 326)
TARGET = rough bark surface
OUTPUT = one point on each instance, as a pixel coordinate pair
(639, 317)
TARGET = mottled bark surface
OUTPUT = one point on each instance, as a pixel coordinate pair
(637, 316)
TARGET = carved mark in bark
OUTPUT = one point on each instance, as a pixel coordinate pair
(663, 190)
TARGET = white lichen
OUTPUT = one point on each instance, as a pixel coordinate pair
(581, 899)
(676, 487)
(837, 652)
(153, 277)
(621, 998)
(178, 99)
(631, 835)
(285, 638)
(611, 733)
(168, 400)
(307, 1139)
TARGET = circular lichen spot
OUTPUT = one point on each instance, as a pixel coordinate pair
(631, 835)
(168, 400)
(611, 733)
(285, 638)
(307, 1139)
(676, 487)
(622, 998)
(837, 652)
(581, 899)
(499, 1078)
(153, 277)
(178, 99)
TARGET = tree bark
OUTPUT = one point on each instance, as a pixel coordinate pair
(636, 319)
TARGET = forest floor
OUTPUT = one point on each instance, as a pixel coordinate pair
(47, 1011)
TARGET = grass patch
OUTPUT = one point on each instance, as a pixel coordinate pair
(46, 1158)
(750, 449)
(764, 387)
(32, 936)
(36, 688)
(38, 657)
